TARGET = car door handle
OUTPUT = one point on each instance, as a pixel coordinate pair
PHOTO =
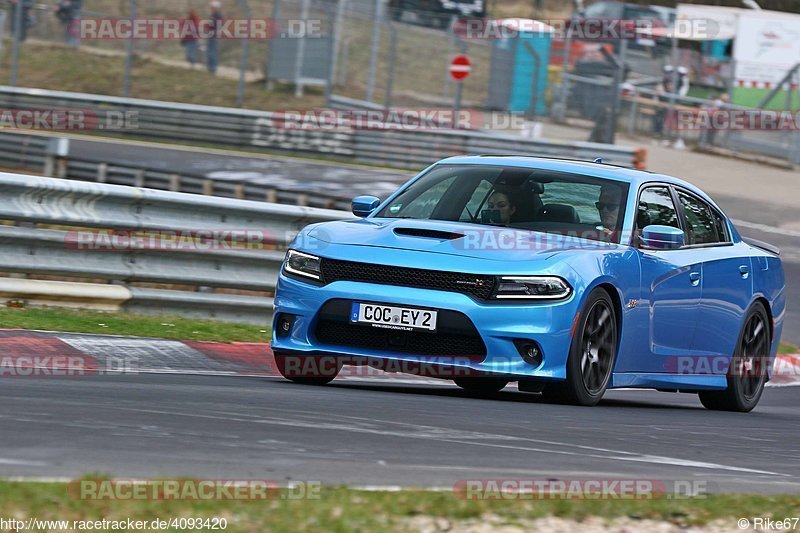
(744, 270)
(694, 278)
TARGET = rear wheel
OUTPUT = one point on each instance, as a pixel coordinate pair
(308, 370)
(592, 354)
(748, 371)
(481, 385)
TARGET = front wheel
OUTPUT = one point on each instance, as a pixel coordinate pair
(748, 371)
(591, 356)
(308, 369)
(481, 385)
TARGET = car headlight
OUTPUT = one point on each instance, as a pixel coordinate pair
(302, 264)
(531, 288)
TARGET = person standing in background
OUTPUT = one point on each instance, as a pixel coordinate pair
(212, 46)
(67, 12)
(190, 39)
(720, 106)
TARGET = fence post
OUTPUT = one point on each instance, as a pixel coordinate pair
(391, 64)
(451, 51)
(245, 56)
(16, 44)
(336, 38)
(276, 15)
(375, 45)
(634, 111)
(126, 84)
(619, 78)
(301, 52)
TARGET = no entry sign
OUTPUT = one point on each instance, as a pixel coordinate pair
(460, 67)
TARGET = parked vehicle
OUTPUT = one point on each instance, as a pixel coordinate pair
(436, 13)
(630, 15)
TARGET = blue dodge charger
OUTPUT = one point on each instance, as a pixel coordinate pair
(567, 277)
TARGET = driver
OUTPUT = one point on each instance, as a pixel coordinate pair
(608, 207)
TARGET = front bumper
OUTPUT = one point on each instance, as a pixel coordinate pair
(548, 324)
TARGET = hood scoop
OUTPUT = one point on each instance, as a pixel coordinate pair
(428, 233)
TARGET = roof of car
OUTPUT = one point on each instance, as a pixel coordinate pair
(588, 168)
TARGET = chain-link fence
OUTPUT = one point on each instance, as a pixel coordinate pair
(368, 49)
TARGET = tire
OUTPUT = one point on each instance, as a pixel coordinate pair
(592, 354)
(748, 370)
(481, 385)
(307, 370)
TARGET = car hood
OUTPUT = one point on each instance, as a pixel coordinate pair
(451, 238)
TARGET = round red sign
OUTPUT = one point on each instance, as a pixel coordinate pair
(460, 67)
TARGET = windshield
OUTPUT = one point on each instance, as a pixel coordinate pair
(522, 198)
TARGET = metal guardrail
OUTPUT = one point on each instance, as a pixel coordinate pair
(251, 129)
(50, 156)
(204, 243)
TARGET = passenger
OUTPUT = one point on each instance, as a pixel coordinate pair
(501, 202)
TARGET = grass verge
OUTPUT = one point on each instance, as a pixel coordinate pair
(167, 327)
(66, 69)
(788, 348)
(342, 509)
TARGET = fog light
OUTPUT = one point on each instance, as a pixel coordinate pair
(284, 325)
(529, 350)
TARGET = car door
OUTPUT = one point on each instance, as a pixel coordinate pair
(671, 287)
(727, 277)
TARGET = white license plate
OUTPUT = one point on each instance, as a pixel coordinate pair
(390, 317)
(646, 42)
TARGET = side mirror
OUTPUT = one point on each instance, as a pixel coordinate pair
(662, 237)
(364, 205)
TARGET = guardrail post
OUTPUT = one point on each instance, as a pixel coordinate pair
(102, 172)
(208, 187)
(238, 191)
(175, 182)
(138, 178)
(61, 168)
(271, 196)
(302, 199)
(55, 157)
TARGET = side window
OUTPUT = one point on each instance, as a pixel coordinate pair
(656, 207)
(704, 225)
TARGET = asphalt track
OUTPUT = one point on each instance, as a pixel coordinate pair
(389, 432)
(384, 433)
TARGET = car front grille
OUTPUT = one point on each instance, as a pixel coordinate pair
(476, 285)
(455, 336)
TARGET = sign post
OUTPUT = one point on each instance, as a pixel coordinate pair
(460, 67)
